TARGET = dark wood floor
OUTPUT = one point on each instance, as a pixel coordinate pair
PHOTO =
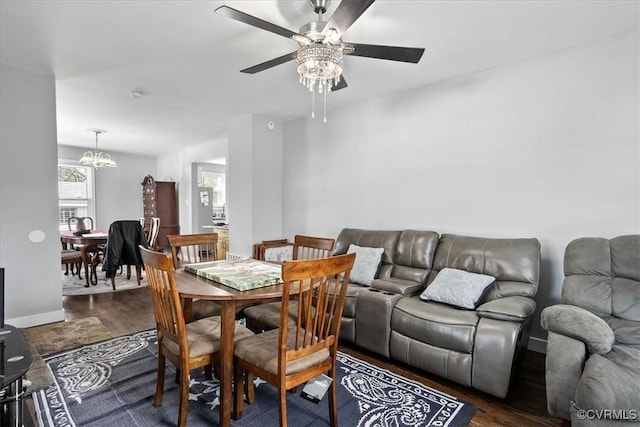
(130, 311)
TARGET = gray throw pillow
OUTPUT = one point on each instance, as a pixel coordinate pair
(366, 264)
(457, 287)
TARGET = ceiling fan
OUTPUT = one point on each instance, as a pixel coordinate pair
(320, 53)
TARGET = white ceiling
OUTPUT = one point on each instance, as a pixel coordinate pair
(187, 59)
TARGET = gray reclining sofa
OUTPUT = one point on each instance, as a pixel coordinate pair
(474, 347)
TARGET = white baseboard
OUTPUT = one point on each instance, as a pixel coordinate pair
(537, 344)
(36, 319)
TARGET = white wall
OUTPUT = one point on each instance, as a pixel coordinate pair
(28, 197)
(267, 180)
(546, 148)
(118, 190)
(254, 182)
(239, 184)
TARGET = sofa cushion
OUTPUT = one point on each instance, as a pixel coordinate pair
(414, 255)
(366, 264)
(387, 239)
(611, 381)
(602, 276)
(457, 287)
(625, 331)
(515, 263)
(435, 324)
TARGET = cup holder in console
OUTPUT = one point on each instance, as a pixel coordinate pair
(380, 292)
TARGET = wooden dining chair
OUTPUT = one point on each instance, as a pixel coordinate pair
(73, 258)
(121, 249)
(80, 223)
(295, 353)
(189, 249)
(278, 250)
(265, 316)
(187, 346)
(192, 248)
(154, 230)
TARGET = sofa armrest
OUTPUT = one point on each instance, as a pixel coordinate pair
(564, 364)
(513, 309)
(398, 286)
(576, 322)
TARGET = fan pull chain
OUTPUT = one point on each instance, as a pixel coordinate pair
(325, 106)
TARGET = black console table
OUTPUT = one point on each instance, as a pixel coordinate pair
(15, 361)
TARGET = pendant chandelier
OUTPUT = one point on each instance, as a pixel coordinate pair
(97, 159)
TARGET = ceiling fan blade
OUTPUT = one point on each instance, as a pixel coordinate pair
(256, 22)
(341, 84)
(346, 14)
(393, 53)
(271, 63)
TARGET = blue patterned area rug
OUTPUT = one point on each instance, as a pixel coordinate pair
(112, 383)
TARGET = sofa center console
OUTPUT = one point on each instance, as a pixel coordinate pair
(373, 311)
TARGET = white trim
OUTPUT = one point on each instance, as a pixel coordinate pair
(538, 345)
(37, 319)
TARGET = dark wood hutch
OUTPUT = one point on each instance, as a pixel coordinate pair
(159, 200)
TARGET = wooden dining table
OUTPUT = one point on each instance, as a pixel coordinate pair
(192, 287)
(84, 241)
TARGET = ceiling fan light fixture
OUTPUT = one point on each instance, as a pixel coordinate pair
(320, 64)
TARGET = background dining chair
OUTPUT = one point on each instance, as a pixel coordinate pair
(293, 354)
(187, 346)
(278, 250)
(192, 248)
(80, 223)
(154, 230)
(265, 316)
(123, 240)
(189, 249)
(73, 258)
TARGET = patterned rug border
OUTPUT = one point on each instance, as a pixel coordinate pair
(72, 286)
(451, 407)
(39, 373)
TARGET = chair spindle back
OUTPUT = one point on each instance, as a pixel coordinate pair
(167, 306)
(192, 248)
(321, 286)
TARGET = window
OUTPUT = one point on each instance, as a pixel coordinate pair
(75, 193)
(216, 181)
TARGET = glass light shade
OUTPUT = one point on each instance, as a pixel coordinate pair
(97, 159)
(320, 64)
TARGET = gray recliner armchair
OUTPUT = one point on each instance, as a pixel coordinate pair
(593, 347)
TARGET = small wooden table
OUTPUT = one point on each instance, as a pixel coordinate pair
(96, 237)
(191, 286)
